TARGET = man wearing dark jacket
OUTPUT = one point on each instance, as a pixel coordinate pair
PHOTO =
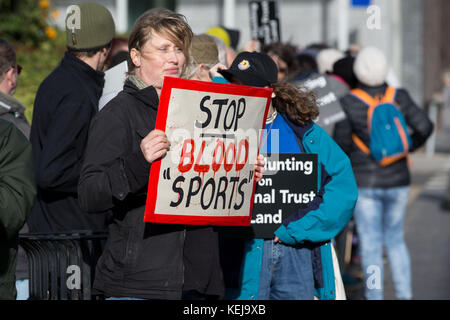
(17, 194)
(65, 104)
(13, 111)
(383, 190)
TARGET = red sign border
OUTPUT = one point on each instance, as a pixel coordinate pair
(161, 120)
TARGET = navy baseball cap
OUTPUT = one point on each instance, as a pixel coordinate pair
(252, 69)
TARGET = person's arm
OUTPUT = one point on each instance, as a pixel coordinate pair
(59, 163)
(332, 208)
(17, 185)
(215, 75)
(416, 119)
(342, 133)
(110, 173)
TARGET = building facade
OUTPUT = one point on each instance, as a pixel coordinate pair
(411, 34)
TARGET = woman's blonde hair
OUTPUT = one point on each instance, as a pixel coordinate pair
(164, 22)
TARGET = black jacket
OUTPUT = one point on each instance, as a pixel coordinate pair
(143, 260)
(17, 194)
(367, 171)
(65, 104)
(13, 111)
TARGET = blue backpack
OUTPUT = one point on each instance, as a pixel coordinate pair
(388, 132)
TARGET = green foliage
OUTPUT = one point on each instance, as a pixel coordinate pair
(25, 21)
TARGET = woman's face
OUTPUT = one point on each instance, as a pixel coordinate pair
(159, 57)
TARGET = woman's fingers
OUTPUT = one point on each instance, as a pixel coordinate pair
(259, 167)
(155, 145)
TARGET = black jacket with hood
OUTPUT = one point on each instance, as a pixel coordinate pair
(368, 172)
(142, 260)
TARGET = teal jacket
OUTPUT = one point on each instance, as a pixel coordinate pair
(324, 217)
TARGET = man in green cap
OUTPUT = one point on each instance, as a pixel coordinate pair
(64, 106)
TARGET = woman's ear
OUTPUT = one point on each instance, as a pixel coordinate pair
(273, 94)
(10, 79)
(135, 57)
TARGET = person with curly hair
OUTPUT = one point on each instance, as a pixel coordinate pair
(297, 261)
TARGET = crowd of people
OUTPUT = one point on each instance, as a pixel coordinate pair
(78, 168)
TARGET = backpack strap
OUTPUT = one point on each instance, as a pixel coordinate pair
(367, 99)
(389, 95)
(389, 160)
(363, 96)
(360, 144)
(371, 103)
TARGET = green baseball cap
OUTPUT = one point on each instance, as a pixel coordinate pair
(89, 25)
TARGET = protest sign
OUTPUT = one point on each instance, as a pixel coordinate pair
(329, 106)
(207, 175)
(288, 185)
(264, 21)
(114, 80)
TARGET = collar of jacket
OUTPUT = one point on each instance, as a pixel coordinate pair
(147, 96)
(96, 78)
(305, 75)
(14, 105)
(372, 90)
(299, 130)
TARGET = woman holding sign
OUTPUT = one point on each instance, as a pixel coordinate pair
(296, 261)
(144, 260)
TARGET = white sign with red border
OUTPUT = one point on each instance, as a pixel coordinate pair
(207, 176)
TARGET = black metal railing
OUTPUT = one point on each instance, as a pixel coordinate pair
(62, 265)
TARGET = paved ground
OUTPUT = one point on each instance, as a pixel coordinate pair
(427, 228)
